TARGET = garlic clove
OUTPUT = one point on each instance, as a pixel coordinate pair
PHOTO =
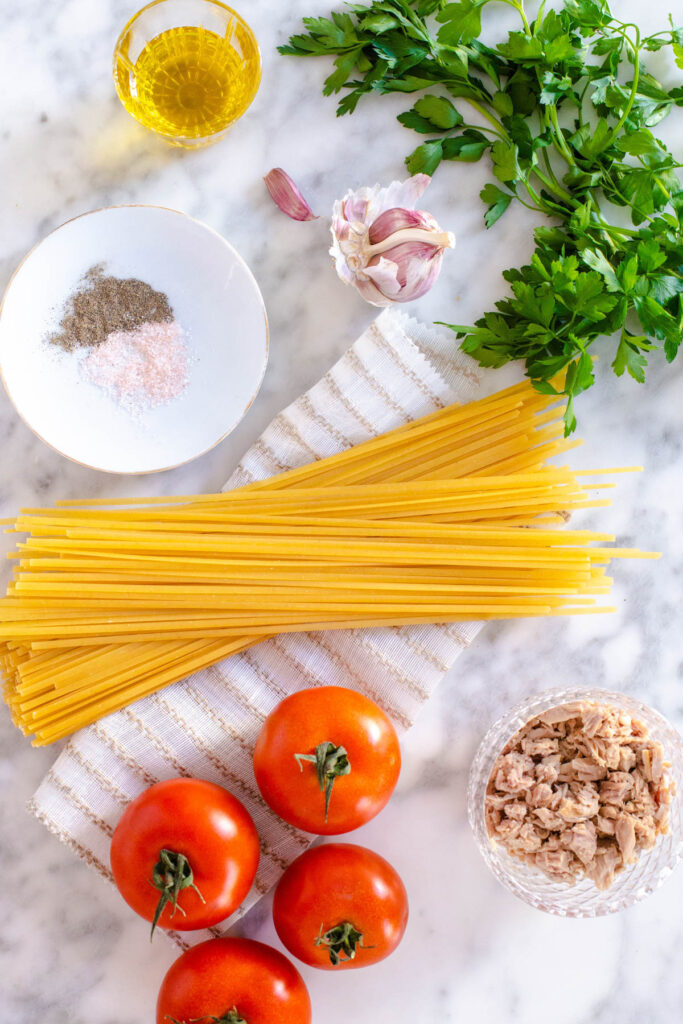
(385, 275)
(370, 292)
(416, 266)
(397, 219)
(420, 276)
(287, 196)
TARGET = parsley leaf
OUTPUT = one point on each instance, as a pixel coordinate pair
(569, 109)
(497, 202)
(426, 158)
(461, 22)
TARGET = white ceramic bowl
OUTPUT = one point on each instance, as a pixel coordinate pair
(215, 299)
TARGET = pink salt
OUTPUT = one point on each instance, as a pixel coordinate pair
(142, 368)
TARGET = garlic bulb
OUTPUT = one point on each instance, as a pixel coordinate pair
(382, 245)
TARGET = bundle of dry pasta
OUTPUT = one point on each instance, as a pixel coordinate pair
(427, 523)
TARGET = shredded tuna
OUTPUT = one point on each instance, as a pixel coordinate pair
(499, 800)
(657, 765)
(548, 819)
(546, 772)
(626, 837)
(587, 770)
(627, 759)
(592, 720)
(581, 804)
(580, 791)
(562, 713)
(646, 833)
(605, 826)
(616, 788)
(540, 796)
(582, 840)
(516, 810)
(529, 839)
(605, 865)
(514, 773)
(540, 746)
(556, 864)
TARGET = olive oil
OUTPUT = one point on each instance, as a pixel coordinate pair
(189, 83)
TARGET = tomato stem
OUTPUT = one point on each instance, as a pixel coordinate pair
(330, 762)
(172, 874)
(229, 1017)
(342, 942)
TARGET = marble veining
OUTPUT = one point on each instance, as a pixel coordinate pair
(70, 951)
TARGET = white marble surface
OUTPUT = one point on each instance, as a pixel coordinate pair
(70, 951)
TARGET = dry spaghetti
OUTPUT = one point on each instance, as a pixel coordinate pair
(431, 522)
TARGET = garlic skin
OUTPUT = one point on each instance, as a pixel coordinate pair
(383, 246)
(286, 195)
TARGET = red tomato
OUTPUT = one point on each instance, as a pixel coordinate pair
(339, 906)
(232, 981)
(191, 833)
(327, 760)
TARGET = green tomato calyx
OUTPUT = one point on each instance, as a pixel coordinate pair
(342, 942)
(330, 762)
(229, 1017)
(172, 873)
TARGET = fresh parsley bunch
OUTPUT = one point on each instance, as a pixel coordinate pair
(566, 115)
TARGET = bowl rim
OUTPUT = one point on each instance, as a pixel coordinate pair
(266, 352)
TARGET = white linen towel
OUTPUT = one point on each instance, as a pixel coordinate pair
(206, 726)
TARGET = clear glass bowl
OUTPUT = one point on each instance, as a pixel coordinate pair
(582, 899)
(187, 69)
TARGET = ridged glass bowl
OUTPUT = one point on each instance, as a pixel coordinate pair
(582, 899)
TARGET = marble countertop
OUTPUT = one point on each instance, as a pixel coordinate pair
(70, 951)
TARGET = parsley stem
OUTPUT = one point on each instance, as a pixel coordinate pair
(548, 167)
(535, 209)
(617, 196)
(483, 128)
(538, 20)
(555, 186)
(551, 174)
(488, 116)
(558, 134)
(613, 229)
(520, 8)
(547, 206)
(635, 47)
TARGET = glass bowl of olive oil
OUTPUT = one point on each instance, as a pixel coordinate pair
(187, 69)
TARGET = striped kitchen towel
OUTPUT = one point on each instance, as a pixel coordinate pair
(206, 726)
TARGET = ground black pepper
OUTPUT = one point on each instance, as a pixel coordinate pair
(103, 304)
